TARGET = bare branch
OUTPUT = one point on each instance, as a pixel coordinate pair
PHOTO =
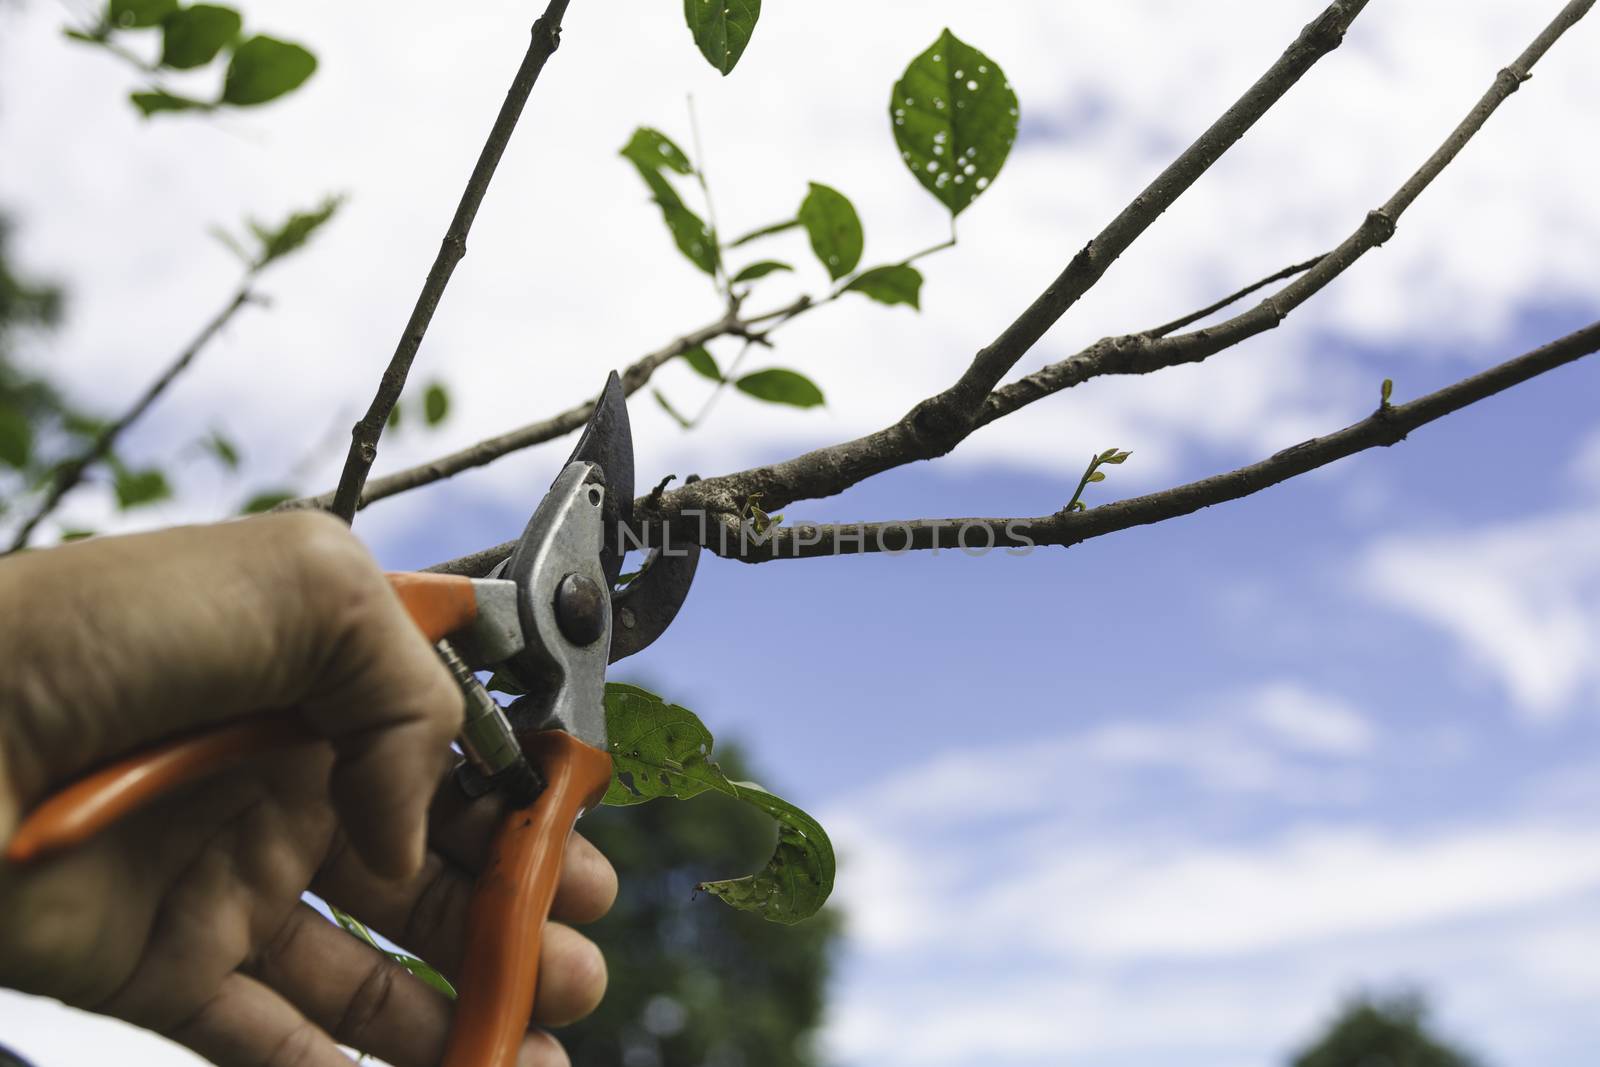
(1386, 426)
(546, 35)
(1143, 353)
(69, 475)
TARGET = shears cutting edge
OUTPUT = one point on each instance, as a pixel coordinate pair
(550, 619)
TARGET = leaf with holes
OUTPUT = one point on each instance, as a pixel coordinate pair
(954, 118)
(663, 750)
(834, 228)
(900, 283)
(435, 404)
(760, 270)
(703, 362)
(779, 386)
(265, 68)
(722, 28)
(193, 36)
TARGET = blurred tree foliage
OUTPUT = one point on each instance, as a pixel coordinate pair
(1382, 1032)
(695, 984)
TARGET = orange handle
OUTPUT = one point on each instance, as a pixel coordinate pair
(505, 920)
(440, 604)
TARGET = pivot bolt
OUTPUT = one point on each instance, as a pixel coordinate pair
(580, 609)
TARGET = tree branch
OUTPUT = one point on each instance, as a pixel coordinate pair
(955, 408)
(545, 37)
(1386, 426)
(1151, 351)
(559, 425)
(69, 475)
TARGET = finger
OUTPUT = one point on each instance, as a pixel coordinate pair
(460, 830)
(358, 995)
(286, 611)
(248, 1025)
(367, 1001)
(427, 915)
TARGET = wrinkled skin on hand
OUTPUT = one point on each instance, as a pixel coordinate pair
(186, 918)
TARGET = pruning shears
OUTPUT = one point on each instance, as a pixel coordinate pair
(550, 619)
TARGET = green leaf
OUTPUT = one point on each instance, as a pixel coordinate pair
(662, 750)
(425, 972)
(68, 536)
(1096, 476)
(266, 501)
(16, 438)
(137, 489)
(703, 363)
(1113, 456)
(193, 36)
(354, 927)
(666, 405)
(779, 386)
(834, 228)
(137, 14)
(651, 149)
(722, 28)
(900, 283)
(225, 451)
(692, 236)
(435, 404)
(263, 69)
(159, 101)
(766, 231)
(954, 119)
(293, 233)
(1386, 393)
(760, 270)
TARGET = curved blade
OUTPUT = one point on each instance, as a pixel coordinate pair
(607, 442)
(642, 612)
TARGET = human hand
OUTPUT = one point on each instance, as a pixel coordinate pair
(186, 917)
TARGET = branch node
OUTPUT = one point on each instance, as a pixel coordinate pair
(1381, 224)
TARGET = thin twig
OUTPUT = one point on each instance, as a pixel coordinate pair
(1233, 298)
(558, 425)
(71, 473)
(545, 37)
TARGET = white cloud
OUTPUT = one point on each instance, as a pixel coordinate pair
(1521, 598)
(1310, 720)
(1585, 466)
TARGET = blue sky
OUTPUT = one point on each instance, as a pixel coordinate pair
(1163, 797)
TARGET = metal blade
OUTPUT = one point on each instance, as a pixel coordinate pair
(607, 442)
